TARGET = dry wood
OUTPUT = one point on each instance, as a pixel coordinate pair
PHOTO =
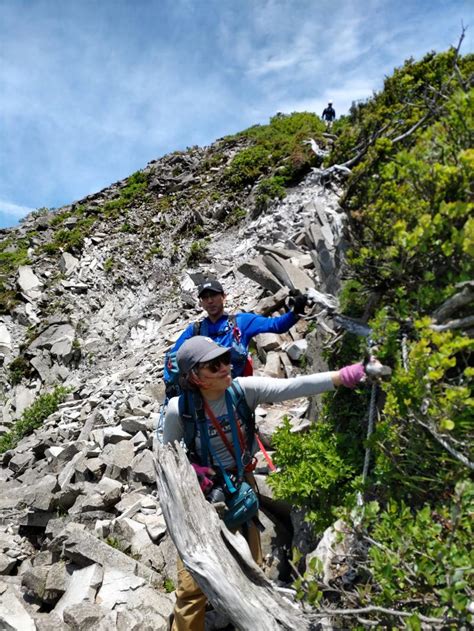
(219, 560)
(460, 323)
(456, 302)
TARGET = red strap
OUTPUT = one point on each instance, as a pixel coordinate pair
(251, 466)
(265, 453)
(219, 429)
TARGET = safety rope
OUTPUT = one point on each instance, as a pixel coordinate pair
(370, 429)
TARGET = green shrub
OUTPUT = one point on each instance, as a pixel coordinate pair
(156, 250)
(235, 216)
(411, 227)
(198, 251)
(33, 417)
(276, 146)
(109, 265)
(424, 557)
(315, 471)
(19, 369)
(268, 190)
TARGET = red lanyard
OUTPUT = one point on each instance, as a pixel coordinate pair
(251, 466)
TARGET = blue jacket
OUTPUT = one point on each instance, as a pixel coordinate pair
(249, 325)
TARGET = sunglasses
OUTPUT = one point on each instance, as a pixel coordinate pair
(214, 364)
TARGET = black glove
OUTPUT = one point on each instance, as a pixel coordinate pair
(298, 304)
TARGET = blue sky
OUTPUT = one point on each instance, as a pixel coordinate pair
(92, 90)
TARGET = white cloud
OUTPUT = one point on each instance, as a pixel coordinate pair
(14, 210)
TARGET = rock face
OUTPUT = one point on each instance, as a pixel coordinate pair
(83, 543)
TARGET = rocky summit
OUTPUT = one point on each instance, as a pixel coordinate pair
(102, 290)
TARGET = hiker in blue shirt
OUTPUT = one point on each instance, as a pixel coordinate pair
(232, 331)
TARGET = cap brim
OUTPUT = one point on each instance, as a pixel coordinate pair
(216, 352)
(214, 291)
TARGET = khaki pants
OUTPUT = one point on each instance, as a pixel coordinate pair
(190, 607)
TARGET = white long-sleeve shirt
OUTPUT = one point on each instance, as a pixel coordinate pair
(256, 390)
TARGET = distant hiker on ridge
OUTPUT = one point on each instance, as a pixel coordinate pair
(329, 114)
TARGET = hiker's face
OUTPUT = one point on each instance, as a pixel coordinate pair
(216, 375)
(213, 303)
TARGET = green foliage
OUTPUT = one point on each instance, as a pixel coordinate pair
(18, 369)
(314, 473)
(33, 417)
(268, 190)
(198, 251)
(169, 585)
(70, 239)
(115, 543)
(126, 227)
(109, 264)
(410, 203)
(136, 187)
(276, 146)
(13, 254)
(235, 216)
(424, 557)
(156, 250)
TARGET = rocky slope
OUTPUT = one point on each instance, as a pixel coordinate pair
(104, 288)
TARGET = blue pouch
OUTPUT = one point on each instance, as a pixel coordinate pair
(242, 506)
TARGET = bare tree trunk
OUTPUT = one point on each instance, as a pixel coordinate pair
(219, 560)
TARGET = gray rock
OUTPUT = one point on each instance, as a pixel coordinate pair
(21, 461)
(134, 424)
(257, 271)
(5, 340)
(34, 580)
(83, 616)
(268, 341)
(67, 263)
(118, 458)
(51, 335)
(273, 365)
(83, 549)
(155, 525)
(297, 350)
(289, 275)
(116, 587)
(29, 284)
(13, 615)
(57, 582)
(334, 550)
(143, 468)
(82, 587)
(7, 563)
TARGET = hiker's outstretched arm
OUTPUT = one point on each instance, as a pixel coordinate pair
(269, 390)
(252, 324)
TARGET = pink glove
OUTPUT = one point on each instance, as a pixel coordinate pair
(350, 376)
(202, 472)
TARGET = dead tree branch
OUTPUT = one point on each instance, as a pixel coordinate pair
(383, 610)
(460, 323)
(445, 444)
(456, 302)
(219, 560)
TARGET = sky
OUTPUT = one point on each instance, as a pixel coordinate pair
(93, 90)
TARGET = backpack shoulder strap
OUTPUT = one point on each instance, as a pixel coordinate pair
(197, 327)
(243, 410)
(187, 417)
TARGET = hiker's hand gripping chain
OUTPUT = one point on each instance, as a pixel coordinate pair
(370, 370)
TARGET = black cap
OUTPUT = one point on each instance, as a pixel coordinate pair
(210, 285)
(196, 350)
